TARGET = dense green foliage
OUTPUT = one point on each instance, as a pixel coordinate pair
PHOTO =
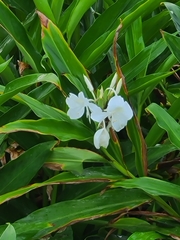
(54, 183)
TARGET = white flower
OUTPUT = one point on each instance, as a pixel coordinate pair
(77, 105)
(101, 138)
(119, 112)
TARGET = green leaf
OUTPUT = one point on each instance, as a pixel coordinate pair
(66, 213)
(65, 16)
(136, 136)
(96, 174)
(56, 7)
(26, 7)
(62, 58)
(145, 236)
(108, 21)
(77, 13)
(14, 27)
(174, 11)
(159, 151)
(142, 83)
(141, 60)
(6, 73)
(134, 38)
(173, 43)
(166, 122)
(42, 110)
(131, 224)
(4, 65)
(22, 83)
(44, 7)
(151, 186)
(19, 172)
(156, 133)
(9, 233)
(91, 49)
(71, 159)
(62, 130)
(155, 22)
(22, 110)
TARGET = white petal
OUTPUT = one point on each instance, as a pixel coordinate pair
(101, 138)
(119, 112)
(128, 111)
(118, 122)
(75, 113)
(93, 107)
(97, 114)
(115, 102)
(71, 99)
(77, 105)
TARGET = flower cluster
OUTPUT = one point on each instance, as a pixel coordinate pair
(117, 112)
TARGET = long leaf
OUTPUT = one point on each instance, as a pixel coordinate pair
(152, 186)
(22, 83)
(64, 131)
(166, 122)
(77, 13)
(66, 213)
(97, 174)
(71, 159)
(62, 58)
(19, 172)
(14, 27)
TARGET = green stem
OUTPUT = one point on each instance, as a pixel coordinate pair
(115, 164)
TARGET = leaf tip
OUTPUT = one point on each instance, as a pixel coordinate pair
(44, 20)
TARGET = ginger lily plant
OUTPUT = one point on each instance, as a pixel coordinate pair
(118, 112)
(103, 157)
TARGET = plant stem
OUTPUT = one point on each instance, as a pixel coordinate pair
(116, 164)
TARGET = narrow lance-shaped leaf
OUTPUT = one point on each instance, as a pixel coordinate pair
(19, 172)
(77, 13)
(71, 159)
(166, 122)
(62, 130)
(42, 110)
(62, 58)
(44, 7)
(67, 213)
(4, 65)
(6, 73)
(152, 186)
(174, 11)
(144, 82)
(56, 7)
(172, 42)
(96, 174)
(14, 27)
(22, 83)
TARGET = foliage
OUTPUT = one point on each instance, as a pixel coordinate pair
(55, 184)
